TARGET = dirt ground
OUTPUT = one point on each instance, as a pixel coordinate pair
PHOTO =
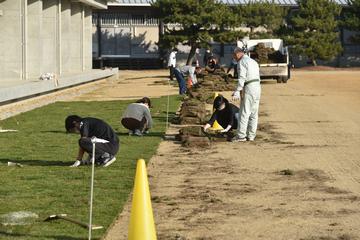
(130, 85)
(299, 180)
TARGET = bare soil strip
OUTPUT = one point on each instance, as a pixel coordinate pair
(299, 180)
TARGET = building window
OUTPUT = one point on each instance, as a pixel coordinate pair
(124, 19)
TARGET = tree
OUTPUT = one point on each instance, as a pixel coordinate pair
(196, 23)
(314, 30)
(269, 15)
(352, 19)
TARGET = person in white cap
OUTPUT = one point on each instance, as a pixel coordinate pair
(249, 90)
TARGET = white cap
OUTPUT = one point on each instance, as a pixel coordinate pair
(239, 49)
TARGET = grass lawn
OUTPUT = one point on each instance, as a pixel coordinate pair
(46, 185)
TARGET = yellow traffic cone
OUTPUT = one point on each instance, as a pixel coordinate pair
(142, 226)
(216, 126)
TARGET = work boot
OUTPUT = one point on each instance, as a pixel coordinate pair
(106, 159)
(137, 132)
(237, 138)
(107, 162)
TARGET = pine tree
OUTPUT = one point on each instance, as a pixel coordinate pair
(352, 19)
(196, 23)
(314, 30)
(269, 15)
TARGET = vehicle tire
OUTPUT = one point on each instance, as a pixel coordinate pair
(284, 79)
(289, 72)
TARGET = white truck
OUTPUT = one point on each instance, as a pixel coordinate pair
(280, 69)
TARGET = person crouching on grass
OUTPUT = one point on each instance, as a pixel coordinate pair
(137, 118)
(92, 127)
(226, 114)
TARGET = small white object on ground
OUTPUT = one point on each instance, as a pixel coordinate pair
(14, 164)
(47, 76)
(7, 130)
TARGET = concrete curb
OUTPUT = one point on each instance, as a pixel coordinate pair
(31, 88)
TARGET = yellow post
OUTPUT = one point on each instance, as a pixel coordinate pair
(142, 226)
(216, 126)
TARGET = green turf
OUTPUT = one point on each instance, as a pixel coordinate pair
(46, 185)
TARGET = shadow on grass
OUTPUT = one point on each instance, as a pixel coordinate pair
(35, 162)
(57, 237)
(170, 113)
(163, 118)
(151, 134)
(55, 131)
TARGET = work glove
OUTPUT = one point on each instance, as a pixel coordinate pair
(226, 129)
(206, 127)
(236, 96)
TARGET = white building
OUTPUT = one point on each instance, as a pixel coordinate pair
(44, 36)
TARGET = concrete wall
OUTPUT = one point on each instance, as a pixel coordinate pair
(144, 40)
(49, 37)
(40, 36)
(123, 34)
(65, 36)
(87, 38)
(10, 39)
(75, 37)
(134, 41)
(34, 42)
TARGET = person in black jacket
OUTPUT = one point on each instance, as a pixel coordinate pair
(226, 114)
(92, 127)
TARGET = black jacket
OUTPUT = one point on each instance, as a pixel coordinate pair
(225, 116)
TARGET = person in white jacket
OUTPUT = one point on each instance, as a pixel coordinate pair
(249, 90)
(172, 63)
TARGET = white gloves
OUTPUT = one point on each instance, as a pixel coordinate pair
(76, 163)
(206, 127)
(236, 96)
(226, 129)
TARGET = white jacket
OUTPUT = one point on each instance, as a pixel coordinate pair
(172, 59)
(248, 69)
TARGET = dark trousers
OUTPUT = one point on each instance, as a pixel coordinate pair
(235, 71)
(171, 70)
(100, 148)
(181, 81)
(133, 124)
